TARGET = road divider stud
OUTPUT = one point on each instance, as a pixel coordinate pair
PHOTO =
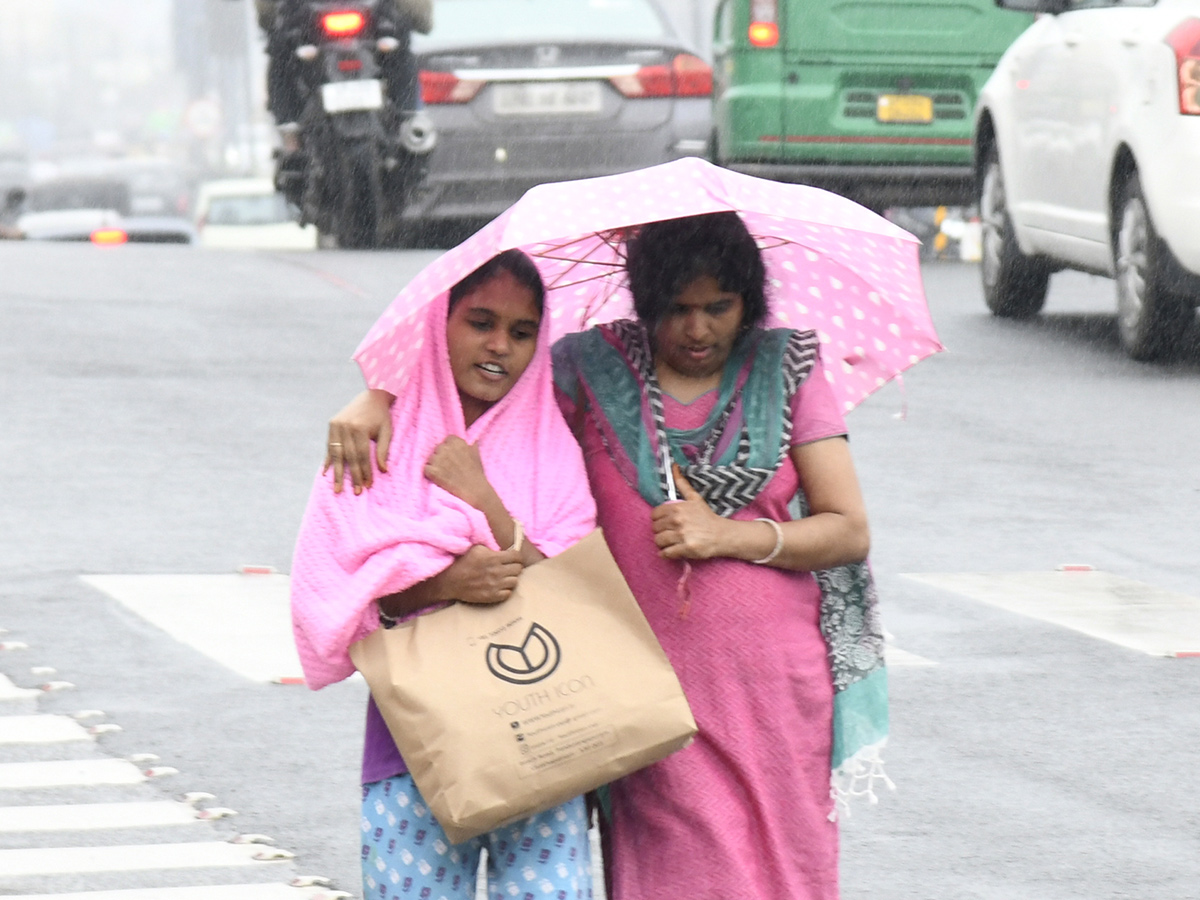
(215, 812)
(251, 839)
(273, 854)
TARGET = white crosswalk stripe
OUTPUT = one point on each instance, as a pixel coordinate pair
(132, 858)
(67, 773)
(1099, 604)
(41, 730)
(91, 816)
(196, 610)
(903, 659)
(9, 691)
(182, 839)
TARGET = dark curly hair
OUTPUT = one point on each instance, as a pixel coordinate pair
(665, 257)
(516, 264)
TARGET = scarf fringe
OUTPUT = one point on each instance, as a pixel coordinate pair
(857, 777)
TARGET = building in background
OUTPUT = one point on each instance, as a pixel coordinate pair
(82, 72)
(180, 78)
(221, 59)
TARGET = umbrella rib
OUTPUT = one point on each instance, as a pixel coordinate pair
(558, 286)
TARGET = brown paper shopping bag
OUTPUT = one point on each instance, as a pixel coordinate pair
(507, 710)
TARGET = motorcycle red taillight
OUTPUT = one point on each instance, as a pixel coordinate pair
(686, 76)
(764, 23)
(343, 23)
(1185, 41)
(446, 87)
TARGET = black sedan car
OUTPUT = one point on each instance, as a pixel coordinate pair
(530, 91)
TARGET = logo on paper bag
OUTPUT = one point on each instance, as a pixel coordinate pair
(536, 658)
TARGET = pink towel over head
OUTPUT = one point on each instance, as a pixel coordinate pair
(354, 549)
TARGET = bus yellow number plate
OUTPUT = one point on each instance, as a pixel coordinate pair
(904, 108)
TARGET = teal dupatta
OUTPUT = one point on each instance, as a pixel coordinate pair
(607, 374)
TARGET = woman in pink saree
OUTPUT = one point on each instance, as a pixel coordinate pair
(722, 567)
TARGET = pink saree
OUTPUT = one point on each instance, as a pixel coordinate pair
(744, 812)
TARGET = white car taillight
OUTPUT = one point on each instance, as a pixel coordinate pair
(764, 23)
(1185, 41)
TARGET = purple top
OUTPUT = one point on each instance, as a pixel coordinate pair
(381, 759)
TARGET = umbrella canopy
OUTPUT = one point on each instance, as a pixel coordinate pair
(832, 266)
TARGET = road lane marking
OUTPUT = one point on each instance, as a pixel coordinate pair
(276, 891)
(895, 657)
(92, 816)
(68, 773)
(243, 622)
(1120, 610)
(9, 691)
(28, 861)
(41, 729)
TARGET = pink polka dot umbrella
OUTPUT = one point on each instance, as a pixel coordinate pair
(832, 266)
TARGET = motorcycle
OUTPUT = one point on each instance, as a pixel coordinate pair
(362, 155)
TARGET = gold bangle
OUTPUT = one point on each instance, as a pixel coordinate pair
(518, 535)
(778, 543)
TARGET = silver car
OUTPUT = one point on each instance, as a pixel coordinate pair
(530, 91)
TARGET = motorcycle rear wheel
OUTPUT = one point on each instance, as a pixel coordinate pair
(361, 208)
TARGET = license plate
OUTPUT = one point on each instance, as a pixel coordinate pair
(542, 98)
(346, 96)
(904, 108)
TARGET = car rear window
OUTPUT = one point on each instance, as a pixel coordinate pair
(523, 21)
(260, 209)
(78, 194)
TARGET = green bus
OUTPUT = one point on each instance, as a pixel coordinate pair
(873, 99)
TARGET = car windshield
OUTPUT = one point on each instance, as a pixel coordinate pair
(258, 209)
(525, 21)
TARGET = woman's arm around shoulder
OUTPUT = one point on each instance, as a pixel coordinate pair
(366, 418)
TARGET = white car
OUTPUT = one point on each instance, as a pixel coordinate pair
(1087, 149)
(247, 213)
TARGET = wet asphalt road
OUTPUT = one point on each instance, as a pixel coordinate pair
(164, 411)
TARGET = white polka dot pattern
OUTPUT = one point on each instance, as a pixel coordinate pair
(832, 266)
